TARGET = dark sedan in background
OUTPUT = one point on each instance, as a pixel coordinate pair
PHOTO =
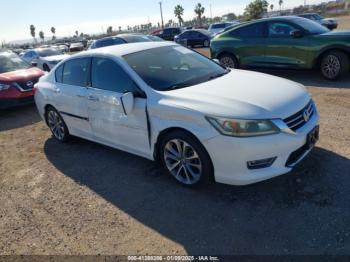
(284, 42)
(194, 37)
(123, 39)
(168, 34)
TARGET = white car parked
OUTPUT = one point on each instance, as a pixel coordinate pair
(44, 58)
(165, 102)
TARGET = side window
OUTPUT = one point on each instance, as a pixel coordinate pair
(108, 75)
(76, 72)
(59, 73)
(118, 41)
(280, 30)
(250, 31)
(106, 42)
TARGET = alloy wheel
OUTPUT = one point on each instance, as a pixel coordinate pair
(56, 124)
(331, 67)
(182, 161)
(228, 62)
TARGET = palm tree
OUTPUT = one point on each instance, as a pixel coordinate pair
(109, 30)
(199, 11)
(120, 28)
(271, 7)
(42, 36)
(32, 32)
(179, 11)
(76, 33)
(53, 31)
(280, 4)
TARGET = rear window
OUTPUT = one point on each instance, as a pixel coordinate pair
(76, 72)
(250, 31)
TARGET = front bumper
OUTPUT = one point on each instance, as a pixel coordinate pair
(230, 155)
(14, 102)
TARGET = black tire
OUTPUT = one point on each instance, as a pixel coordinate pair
(192, 149)
(46, 68)
(334, 65)
(62, 134)
(229, 60)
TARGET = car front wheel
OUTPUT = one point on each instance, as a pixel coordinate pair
(334, 65)
(228, 60)
(184, 157)
(57, 125)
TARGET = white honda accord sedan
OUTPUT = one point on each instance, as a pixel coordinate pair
(165, 102)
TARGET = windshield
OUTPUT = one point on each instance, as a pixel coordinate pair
(173, 67)
(48, 52)
(11, 62)
(311, 26)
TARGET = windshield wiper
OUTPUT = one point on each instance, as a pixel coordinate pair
(218, 75)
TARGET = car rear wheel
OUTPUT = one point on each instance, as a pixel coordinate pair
(184, 157)
(57, 125)
(334, 65)
(228, 60)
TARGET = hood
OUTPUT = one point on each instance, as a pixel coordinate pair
(343, 35)
(21, 75)
(242, 94)
(56, 58)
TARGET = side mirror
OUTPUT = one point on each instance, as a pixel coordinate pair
(128, 102)
(296, 34)
(34, 64)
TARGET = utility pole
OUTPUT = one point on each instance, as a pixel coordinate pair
(304, 2)
(161, 14)
(211, 14)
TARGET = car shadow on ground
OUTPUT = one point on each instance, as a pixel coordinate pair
(12, 118)
(303, 212)
(309, 78)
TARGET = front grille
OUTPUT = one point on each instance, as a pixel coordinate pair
(300, 118)
(26, 86)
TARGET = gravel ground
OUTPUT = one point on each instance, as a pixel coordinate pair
(84, 198)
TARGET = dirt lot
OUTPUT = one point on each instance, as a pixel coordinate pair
(83, 198)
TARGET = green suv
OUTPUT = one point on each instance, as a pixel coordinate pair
(284, 42)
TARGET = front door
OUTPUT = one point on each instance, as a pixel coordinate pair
(110, 124)
(284, 50)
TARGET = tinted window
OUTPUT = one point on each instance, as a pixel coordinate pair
(250, 31)
(59, 74)
(108, 75)
(280, 29)
(218, 26)
(76, 72)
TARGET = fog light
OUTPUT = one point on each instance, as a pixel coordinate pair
(262, 163)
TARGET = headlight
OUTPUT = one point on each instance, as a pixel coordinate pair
(4, 86)
(243, 128)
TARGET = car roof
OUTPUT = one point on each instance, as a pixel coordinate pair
(121, 50)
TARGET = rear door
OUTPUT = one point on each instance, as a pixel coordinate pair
(248, 44)
(70, 95)
(110, 124)
(284, 50)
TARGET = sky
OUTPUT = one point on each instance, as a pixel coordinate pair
(94, 16)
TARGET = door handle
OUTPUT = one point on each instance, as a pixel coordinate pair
(93, 98)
